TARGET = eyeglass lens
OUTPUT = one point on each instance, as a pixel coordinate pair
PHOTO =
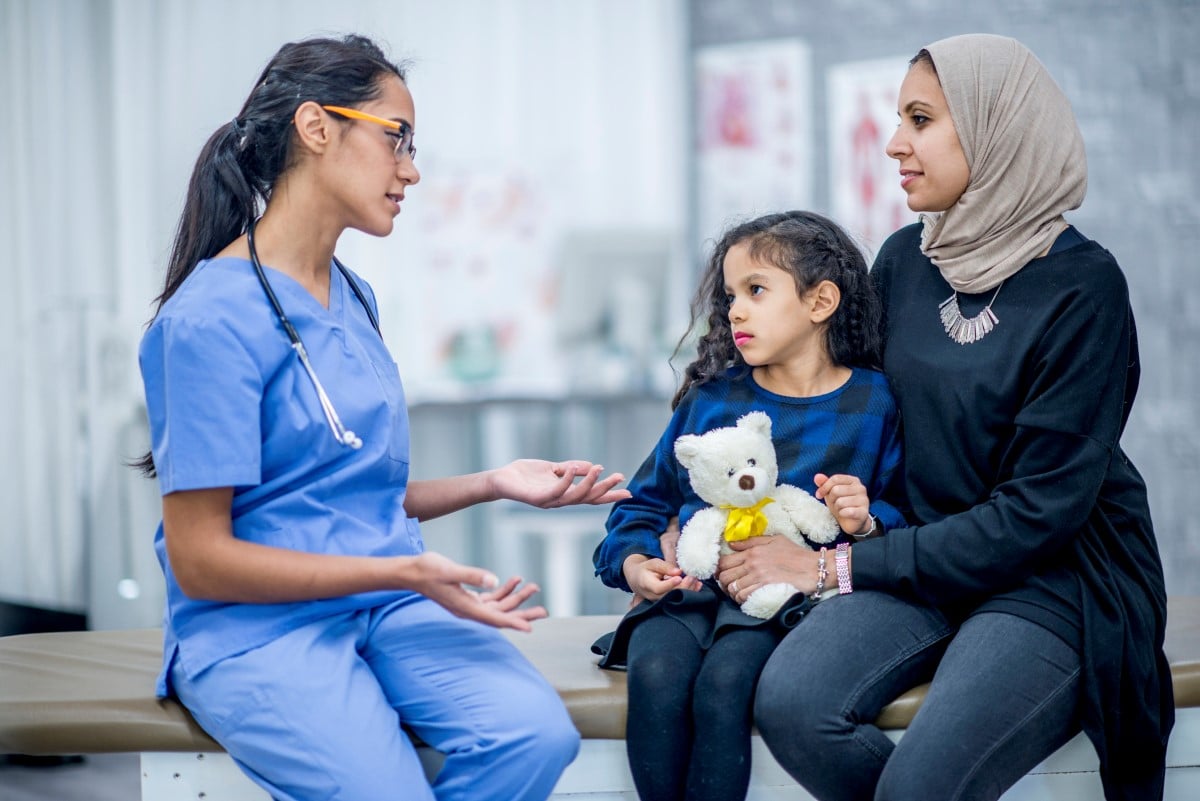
(404, 143)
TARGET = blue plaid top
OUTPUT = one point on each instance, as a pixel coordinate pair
(853, 430)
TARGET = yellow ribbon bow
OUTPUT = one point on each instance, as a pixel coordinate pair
(745, 522)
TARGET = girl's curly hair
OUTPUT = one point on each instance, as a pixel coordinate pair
(812, 248)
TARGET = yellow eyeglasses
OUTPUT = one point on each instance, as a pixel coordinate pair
(402, 131)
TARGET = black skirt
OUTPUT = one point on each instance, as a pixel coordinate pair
(708, 613)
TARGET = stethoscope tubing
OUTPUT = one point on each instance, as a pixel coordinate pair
(342, 434)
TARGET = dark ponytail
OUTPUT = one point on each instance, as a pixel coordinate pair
(812, 248)
(241, 162)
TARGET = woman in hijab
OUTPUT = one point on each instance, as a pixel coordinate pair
(1028, 587)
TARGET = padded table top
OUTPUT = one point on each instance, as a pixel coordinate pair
(93, 691)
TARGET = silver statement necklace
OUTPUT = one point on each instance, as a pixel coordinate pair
(965, 330)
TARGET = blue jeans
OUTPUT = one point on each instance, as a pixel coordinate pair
(1004, 696)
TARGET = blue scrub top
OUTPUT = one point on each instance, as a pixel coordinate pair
(230, 405)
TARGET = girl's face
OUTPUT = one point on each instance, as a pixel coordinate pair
(771, 323)
(933, 167)
(369, 176)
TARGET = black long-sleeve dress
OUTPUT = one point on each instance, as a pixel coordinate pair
(1023, 500)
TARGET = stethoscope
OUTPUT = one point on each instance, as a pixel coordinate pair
(342, 434)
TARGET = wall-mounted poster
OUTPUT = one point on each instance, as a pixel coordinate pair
(753, 138)
(481, 306)
(864, 183)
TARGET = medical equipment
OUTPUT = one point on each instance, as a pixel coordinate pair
(342, 434)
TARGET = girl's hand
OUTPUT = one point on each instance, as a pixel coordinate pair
(847, 500)
(769, 560)
(651, 578)
(448, 583)
(548, 485)
(669, 540)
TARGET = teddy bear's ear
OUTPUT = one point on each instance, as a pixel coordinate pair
(758, 422)
(687, 448)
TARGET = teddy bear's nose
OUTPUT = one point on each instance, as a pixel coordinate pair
(746, 482)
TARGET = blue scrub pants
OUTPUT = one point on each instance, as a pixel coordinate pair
(1004, 696)
(317, 713)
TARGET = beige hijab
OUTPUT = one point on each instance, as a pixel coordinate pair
(1025, 154)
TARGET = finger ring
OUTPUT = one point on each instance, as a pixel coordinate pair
(733, 586)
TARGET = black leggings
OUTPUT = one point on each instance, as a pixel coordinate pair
(688, 726)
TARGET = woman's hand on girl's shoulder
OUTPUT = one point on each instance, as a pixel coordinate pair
(548, 485)
(449, 584)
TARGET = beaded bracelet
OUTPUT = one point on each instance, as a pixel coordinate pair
(842, 561)
(822, 574)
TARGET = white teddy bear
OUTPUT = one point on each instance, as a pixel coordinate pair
(734, 469)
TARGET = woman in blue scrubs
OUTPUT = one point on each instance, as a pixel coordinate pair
(307, 629)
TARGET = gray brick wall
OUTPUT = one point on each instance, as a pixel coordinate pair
(1132, 71)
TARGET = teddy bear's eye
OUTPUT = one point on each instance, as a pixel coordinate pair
(730, 472)
(752, 462)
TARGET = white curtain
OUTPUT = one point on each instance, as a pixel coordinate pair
(108, 103)
(60, 292)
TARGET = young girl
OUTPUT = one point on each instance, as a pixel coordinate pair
(792, 330)
(305, 622)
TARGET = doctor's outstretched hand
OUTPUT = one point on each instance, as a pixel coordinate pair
(548, 485)
(449, 584)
